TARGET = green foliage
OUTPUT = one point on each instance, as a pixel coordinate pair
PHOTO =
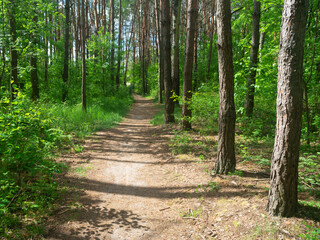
(205, 109)
(313, 233)
(27, 166)
(309, 174)
(30, 135)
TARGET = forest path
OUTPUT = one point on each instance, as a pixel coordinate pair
(126, 185)
(121, 189)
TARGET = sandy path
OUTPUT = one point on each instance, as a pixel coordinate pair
(123, 193)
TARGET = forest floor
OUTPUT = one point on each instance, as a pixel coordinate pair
(126, 184)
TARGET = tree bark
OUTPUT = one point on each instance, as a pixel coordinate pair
(249, 104)
(165, 32)
(211, 40)
(226, 161)
(160, 50)
(13, 51)
(112, 41)
(283, 199)
(33, 63)
(188, 65)
(176, 34)
(119, 47)
(83, 53)
(65, 74)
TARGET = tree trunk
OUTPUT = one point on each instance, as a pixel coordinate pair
(165, 32)
(112, 41)
(226, 161)
(46, 58)
(211, 40)
(160, 50)
(283, 199)
(249, 104)
(188, 65)
(65, 74)
(33, 64)
(13, 51)
(119, 47)
(175, 58)
(83, 53)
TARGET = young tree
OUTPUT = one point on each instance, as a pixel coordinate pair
(188, 65)
(226, 161)
(165, 35)
(283, 199)
(253, 57)
(33, 64)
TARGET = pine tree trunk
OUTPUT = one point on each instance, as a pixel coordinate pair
(165, 30)
(83, 53)
(119, 47)
(283, 199)
(226, 161)
(160, 50)
(249, 104)
(65, 74)
(188, 65)
(13, 51)
(176, 34)
(211, 40)
(111, 22)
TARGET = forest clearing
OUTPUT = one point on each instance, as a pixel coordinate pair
(160, 119)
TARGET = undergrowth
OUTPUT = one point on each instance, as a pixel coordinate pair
(31, 136)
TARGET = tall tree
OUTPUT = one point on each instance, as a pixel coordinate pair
(119, 46)
(160, 51)
(213, 6)
(283, 199)
(188, 65)
(65, 74)
(226, 161)
(83, 53)
(33, 63)
(165, 35)
(13, 49)
(176, 7)
(249, 104)
(112, 32)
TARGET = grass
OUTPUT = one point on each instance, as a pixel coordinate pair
(38, 132)
(101, 115)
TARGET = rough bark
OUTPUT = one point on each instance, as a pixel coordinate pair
(249, 104)
(226, 161)
(282, 200)
(65, 74)
(188, 65)
(165, 32)
(176, 34)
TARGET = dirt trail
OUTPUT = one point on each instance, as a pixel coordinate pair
(123, 195)
(127, 186)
